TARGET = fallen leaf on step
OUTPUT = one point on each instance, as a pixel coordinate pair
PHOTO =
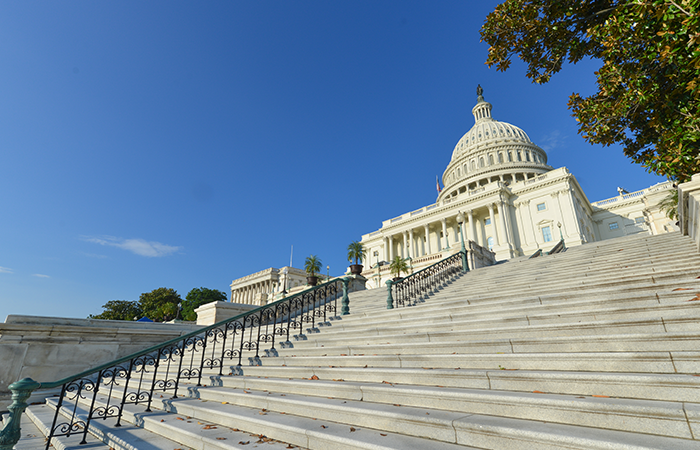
(235, 429)
(224, 403)
(682, 289)
(208, 427)
(244, 443)
(221, 439)
(365, 366)
(314, 377)
(386, 382)
(323, 426)
(331, 366)
(339, 379)
(580, 397)
(396, 404)
(352, 429)
(180, 418)
(538, 392)
(602, 396)
(290, 446)
(697, 297)
(382, 434)
(162, 420)
(230, 373)
(343, 354)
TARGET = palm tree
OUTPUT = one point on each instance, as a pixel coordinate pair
(398, 265)
(669, 205)
(312, 265)
(356, 251)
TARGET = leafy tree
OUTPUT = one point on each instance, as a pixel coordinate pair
(119, 310)
(648, 97)
(312, 265)
(160, 304)
(198, 297)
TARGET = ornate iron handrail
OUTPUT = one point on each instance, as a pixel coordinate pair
(407, 291)
(161, 368)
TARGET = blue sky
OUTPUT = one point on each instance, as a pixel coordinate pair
(186, 144)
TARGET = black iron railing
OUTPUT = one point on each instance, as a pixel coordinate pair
(160, 369)
(410, 290)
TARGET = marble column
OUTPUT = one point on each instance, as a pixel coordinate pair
(391, 248)
(427, 238)
(412, 244)
(496, 240)
(444, 234)
(472, 225)
(503, 231)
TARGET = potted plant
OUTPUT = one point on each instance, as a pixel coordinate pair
(398, 265)
(312, 265)
(356, 251)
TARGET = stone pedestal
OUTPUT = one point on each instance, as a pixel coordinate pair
(357, 283)
(214, 312)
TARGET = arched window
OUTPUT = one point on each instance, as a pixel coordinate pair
(490, 160)
(510, 157)
(459, 174)
(473, 165)
(527, 156)
(500, 157)
(481, 162)
(520, 158)
(489, 242)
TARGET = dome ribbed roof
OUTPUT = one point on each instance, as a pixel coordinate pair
(487, 131)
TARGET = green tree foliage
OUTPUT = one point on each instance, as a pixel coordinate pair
(312, 265)
(160, 304)
(648, 97)
(356, 251)
(198, 297)
(398, 265)
(119, 310)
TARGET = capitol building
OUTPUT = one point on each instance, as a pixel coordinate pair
(512, 201)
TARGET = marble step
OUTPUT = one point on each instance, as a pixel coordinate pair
(647, 386)
(204, 425)
(662, 418)
(664, 362)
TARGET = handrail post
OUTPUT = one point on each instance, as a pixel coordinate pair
(21, 390)
(345, 304)
(389, 298)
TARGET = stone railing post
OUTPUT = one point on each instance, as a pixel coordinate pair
(389, 298)
(345, 308)
(21, 390)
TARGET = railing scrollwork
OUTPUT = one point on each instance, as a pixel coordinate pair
(135, 379)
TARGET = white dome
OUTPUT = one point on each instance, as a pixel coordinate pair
(491, 151)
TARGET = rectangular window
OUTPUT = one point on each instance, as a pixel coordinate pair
(487, 221)
(639, 220)
(546, 234)
(541, 207)
(613, 226)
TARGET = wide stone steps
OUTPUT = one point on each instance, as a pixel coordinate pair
(665, 387)
(593, 348)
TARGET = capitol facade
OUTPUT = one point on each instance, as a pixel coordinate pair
(512, 201)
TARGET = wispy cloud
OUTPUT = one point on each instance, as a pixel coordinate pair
(551, 141)
(6, 270)
(138, 246)
(40, 275)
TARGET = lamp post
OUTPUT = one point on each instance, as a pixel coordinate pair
(460, 221)
(328, 273)
(379, 274)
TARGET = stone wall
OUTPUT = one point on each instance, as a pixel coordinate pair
(47, 349)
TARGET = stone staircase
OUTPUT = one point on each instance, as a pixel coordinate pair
(594, 348)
